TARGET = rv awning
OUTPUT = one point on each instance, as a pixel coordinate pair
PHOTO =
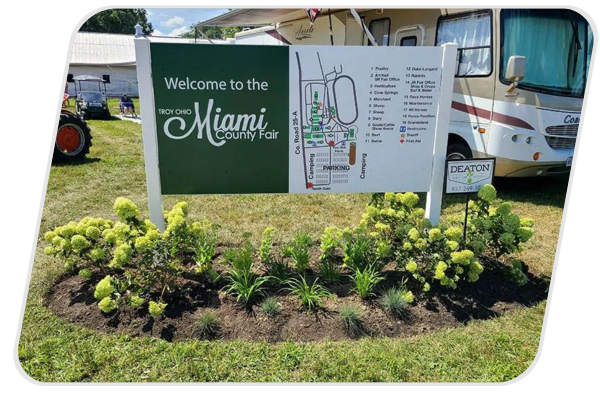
(260, 16)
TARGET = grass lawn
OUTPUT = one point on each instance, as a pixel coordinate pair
(53, 349)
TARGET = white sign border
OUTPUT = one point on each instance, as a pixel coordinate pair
(448, 162)
(433, 206)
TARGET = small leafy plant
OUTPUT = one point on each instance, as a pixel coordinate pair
(270, 307)
(240, 259)
(516, 273)
(396, 301)
(266, 246)
(85, 273)
(206, 245)
(358, 251)
(365, 281)
(311, 296)
(278, 270)
(330, 242)
(156, 309)
(208, 325)
(246, 286)
(352, 318)
(300, 253)
(330, 272)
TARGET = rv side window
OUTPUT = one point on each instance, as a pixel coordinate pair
(380, 29)
(472, 33)
(408, 41)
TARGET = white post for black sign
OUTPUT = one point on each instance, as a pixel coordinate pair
(466, 177)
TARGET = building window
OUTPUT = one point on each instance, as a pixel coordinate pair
(380, 29)
(408, 41)
(472, 32)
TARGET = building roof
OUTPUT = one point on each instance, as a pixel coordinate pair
(113, 49)
(262, 16)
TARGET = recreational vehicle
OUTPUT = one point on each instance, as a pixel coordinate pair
(520, 77)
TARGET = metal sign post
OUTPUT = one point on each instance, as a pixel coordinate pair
(466, 177)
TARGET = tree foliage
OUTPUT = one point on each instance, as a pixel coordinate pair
(211, 32)
(118, 20)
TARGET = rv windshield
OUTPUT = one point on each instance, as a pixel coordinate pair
(558, 47)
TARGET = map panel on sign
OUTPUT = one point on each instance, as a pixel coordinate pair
(361, 123)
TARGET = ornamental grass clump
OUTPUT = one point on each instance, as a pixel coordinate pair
(351, 318)
(396, 302)
(270, 307)
(208, 326)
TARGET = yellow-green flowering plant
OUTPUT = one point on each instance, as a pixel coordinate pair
(499, 229)
(79, 244)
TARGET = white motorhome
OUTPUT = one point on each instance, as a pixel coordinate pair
(520, 79)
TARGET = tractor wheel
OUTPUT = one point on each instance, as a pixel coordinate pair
(73, 139)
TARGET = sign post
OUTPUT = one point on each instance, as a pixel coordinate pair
(466, 177)
(433, 209)
(146, 91)
(226, 119)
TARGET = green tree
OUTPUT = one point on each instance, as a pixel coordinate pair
(211, 32)
(118, 20)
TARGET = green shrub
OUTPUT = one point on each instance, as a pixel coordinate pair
(79, 244)
(206, 245)
(270, 307)
(351, 318)
(240, 259)
(246, 286)
(158, 271)
(330, 242)
(365, 281)
(359, 251)
(156, 309)
(104, 288)
(107, 305)
(208, 325)
(330, 271)
(311, 296)
(266, 245)
(135, 301)
(396, 301)
(516, 273)
(85, 273)
(497, 229)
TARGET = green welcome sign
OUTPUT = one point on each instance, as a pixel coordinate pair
(232, 119)
(221, 117)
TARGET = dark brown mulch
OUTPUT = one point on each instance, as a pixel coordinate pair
(72, 298)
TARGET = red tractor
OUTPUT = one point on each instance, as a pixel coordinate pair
(73, 139)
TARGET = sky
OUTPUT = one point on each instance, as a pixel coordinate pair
(175, 21)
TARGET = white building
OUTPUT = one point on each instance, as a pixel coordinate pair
(112, 57)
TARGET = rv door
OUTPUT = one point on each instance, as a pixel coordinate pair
(410, 36)
(355, 36)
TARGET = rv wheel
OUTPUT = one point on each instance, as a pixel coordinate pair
(458, 151)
